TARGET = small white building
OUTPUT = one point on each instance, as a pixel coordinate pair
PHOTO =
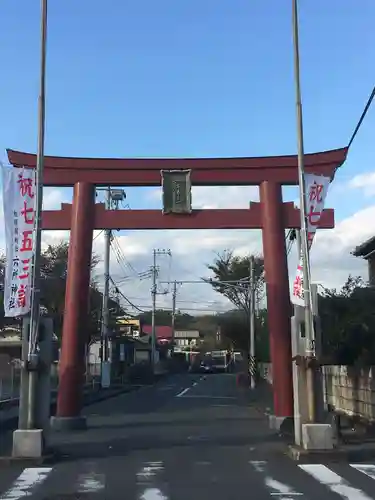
(186, 338)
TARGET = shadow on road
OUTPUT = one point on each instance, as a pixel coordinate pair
(124, 447)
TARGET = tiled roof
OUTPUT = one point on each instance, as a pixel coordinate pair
(364, 248)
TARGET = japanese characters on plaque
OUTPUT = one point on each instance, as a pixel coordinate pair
(316, 192)
(19, 218)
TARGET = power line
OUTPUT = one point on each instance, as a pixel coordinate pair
(118, 256)
(169, 309)
(209, 281)
(97, 236)
(208, 302)
(122, 255)
(124, 297)
(125, 264)
(364, 113)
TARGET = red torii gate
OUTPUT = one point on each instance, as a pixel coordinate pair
(271, 214)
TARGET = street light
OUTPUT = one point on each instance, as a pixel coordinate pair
(118, 195)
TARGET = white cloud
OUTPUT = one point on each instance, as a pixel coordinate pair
(53, 197)
(366, 182)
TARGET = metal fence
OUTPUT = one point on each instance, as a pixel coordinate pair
(10, 383)
(10, 379)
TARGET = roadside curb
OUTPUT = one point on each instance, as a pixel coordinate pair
(358, 453)
(89, 398)
(7, 461)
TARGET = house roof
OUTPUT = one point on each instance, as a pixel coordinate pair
(128, 321)
(365, 248)
(161, 332)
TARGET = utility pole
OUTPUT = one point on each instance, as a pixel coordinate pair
(252, 320)
(113, 197)
(174, 296)
(106, 364)
(153, 294)
(154, 271)
(309, 323)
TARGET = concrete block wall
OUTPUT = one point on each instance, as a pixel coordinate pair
(348, 390)
(351, 390)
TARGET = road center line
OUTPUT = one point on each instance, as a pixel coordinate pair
(90, 482)
(180, 394)
(204, 396)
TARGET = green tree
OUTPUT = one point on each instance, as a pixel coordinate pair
(54, 272)
(228, 267)
(163, 317)
(207, 324)
(235, 330)
(262, 338)
(348, 323)
(95, 313)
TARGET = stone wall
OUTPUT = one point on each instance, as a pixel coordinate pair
(351, 390)
(347, 390)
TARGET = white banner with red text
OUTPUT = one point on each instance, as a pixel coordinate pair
(316, 193)
(19, 216)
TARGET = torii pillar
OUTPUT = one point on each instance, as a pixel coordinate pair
(278, 300)
(74, 335)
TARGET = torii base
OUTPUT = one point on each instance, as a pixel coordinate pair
(61, 424)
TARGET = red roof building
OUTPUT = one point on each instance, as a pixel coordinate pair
(163, 333)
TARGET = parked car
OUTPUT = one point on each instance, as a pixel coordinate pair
(205, 366)
(219, 363)
(202, 366)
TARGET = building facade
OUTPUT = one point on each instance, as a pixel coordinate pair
(366, 250)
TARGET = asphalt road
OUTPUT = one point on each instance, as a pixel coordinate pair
(187, 438)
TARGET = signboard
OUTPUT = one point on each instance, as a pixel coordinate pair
(19, 216)
(176, 186)
(186, 334)
(316, 192)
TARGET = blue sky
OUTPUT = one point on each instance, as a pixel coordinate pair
(191, 78)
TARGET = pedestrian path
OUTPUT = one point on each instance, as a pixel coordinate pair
(133, 479)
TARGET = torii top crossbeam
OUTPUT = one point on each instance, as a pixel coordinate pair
(65, 171)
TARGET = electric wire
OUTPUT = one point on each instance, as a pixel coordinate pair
(122, 256)
(97, 236)
(147, 308)
(124, 297)
(360, 121)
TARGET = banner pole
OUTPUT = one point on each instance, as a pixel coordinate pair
(309, 325)
(33, 360)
